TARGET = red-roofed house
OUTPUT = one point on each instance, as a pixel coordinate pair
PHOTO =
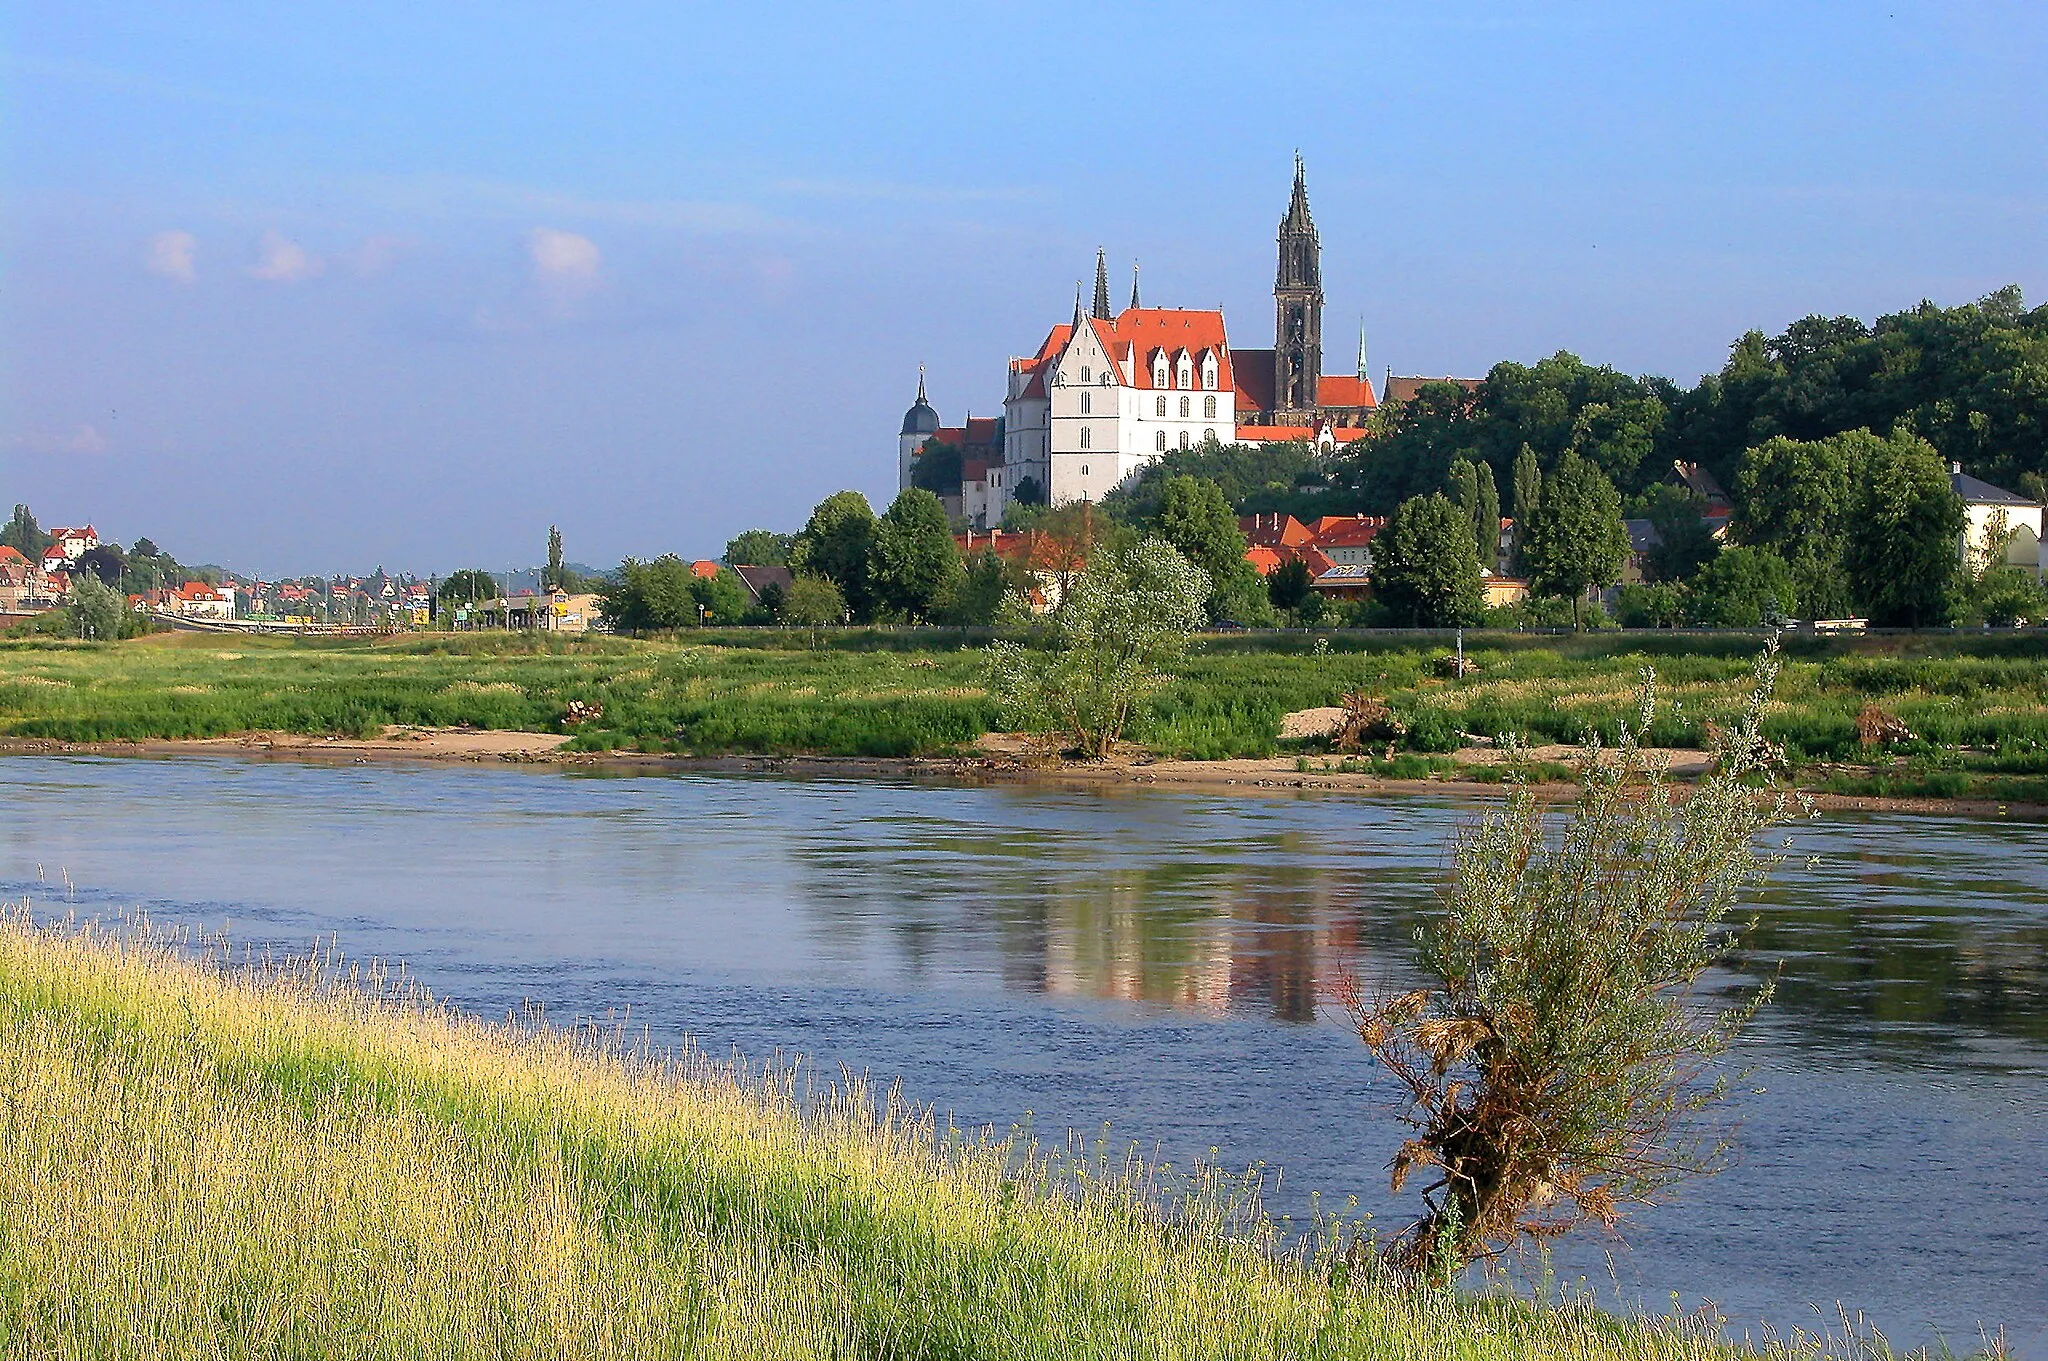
(1107, 393)
(72, 544)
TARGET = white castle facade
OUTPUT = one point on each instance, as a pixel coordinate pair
(1104, 395)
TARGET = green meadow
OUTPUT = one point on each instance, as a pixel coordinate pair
(1976, 705)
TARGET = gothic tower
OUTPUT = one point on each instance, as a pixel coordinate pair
(1297, 311)
(1101, 312)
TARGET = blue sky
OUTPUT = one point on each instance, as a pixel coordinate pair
(309, 287)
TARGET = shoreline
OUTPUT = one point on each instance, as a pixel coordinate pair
(1245, 775)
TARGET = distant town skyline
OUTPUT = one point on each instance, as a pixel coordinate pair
(316, 290)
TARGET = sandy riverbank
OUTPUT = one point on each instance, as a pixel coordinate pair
(998, 762)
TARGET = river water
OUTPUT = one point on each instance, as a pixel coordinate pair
(1156, 962)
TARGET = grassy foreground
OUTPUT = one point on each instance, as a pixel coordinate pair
(1977, 706)
(207, 1161)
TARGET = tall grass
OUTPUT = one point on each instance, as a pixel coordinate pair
(203, 1160)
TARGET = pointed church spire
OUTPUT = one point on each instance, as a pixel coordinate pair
(920, 385)
(1362, 370)
(1101, 312)
(1298, 219)
(1134, 283)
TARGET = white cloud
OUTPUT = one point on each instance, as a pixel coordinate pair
(85, 439)
(379, 253)
(170, 256)
(563, 259)
(284, 261)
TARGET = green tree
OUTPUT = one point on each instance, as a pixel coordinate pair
(1559, 1058)
(467, 586)
(1796, 498)
(1743, 588)
(937, 468)
(1528, 489)
(1425, 566)
(1126, 621)
(834, 545)
(557, 569)
(1196, 519)
(105, 561)
(1903, 548)
(24, 535)
(95, 610)
(1684, 541)
(812, 602)
(1655, 605)
(987, 583)
(1471, 488)
(1576, 538)
(913, 563)
(758, 548)
(721, 600)
(1289, 584)
(643, 596)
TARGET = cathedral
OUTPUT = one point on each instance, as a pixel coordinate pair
(1108, 392)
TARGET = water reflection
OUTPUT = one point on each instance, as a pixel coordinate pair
(1155, 961)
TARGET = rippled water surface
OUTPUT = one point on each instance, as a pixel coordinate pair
(1151, 961)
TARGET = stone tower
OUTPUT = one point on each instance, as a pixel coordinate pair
(1297, 311)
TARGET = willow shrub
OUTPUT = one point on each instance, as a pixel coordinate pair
(1561, 1065)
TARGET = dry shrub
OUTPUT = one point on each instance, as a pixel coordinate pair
(1366, 719)
(1876, 728)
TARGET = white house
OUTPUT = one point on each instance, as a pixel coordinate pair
(1992, 509)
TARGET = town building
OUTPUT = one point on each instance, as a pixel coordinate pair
(1107, 393)
(1993, 512)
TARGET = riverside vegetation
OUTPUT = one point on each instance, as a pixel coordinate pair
(205, 1157)
(1962, 715)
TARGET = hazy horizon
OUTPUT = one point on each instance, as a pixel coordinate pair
(312, 290)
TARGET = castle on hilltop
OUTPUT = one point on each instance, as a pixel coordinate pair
(1105, 394)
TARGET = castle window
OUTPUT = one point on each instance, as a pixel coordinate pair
(1085, 441)
(1084, 467)
(1183, 408)
(1086, 376)
(1183, 439)
(1209, 408)
(1208, 437)
(1159, 408)
(1159, 440)
(1086, 407)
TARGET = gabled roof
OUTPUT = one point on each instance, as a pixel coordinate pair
(1346, 531)
(1274, 530)
(759, 579)
(1254, 380)
(1402, 389)
(1342, 390)
(1142, 330)
(1699, 482)
(9, 553)
(1977, 492)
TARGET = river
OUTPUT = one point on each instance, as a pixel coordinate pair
(1154, 962)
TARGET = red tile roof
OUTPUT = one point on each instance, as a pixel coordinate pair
(1333, 390)
(703, 568)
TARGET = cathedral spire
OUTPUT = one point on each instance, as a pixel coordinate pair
(1362, 371)
(1134, 283)
(1297, 309)
(1101, 312)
